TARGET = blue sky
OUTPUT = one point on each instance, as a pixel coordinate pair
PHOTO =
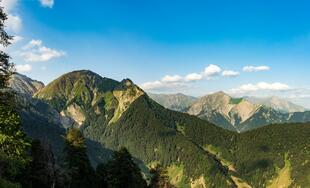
(243, 47)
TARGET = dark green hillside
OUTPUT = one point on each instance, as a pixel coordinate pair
(41, 121)
(260, 152)
(150, 135)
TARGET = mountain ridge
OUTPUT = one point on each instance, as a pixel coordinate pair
(202, 154)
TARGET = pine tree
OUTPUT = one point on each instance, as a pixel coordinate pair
(42, 167)
(80, 171)
(5, 66)
(121, 171)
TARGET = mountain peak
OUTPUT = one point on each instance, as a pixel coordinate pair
(219, 93)
(127, 82)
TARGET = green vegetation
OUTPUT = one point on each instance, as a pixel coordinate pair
(236, 100)
(120, 171)
(160, 178)
(13, 141)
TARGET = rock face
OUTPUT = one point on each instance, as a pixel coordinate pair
(277, 104)
(25, 85)
(177, 102)
(126, 93)
(233, 111)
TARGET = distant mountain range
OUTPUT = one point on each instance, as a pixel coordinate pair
(177, 102)
(236, 114)
(195, 152)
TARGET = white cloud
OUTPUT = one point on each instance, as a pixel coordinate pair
(33, 43)
(47, 3)
(13, 23)
(230, 73)
(8, 5)
(158, 85)
(174, 78)
(255, 69)
(177, 81)
(16, 39)
(193, 77)
(23, 68)
(212, 70)
(35, 51)
(261, 86)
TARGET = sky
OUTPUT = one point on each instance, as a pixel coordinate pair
(245, 48)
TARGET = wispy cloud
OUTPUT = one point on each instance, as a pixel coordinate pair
(14, 22)
(261, 86)
(23, 68)
(193, 77)
(230, 73)
(255, 68)
(47, 3)
(177, 81)
(35, 51)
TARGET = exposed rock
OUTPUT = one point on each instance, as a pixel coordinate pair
(125, 94)
(25, 85)
(75, 112)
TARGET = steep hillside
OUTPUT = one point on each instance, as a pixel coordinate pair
(177, 102)
(23, 84)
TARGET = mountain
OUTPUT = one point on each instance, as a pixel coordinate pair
(194, 152)
(235, 114)
(177, 102)
(25, 85)
(113, 114)
(223, 110)
(277, 104)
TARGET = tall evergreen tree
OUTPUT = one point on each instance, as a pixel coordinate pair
(121, 171)
(80, 171)
(5, 66)
(13, 141)
(42, 167)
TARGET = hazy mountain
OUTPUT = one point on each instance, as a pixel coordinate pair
(223, 110)
(277, 104)
(25, 85)
(195, 152)
(177, 102)
(236, 114)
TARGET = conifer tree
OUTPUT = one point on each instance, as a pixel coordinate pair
(80, 171)
(121, 171)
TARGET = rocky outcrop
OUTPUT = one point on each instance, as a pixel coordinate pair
(23, 84)
(125, 95)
